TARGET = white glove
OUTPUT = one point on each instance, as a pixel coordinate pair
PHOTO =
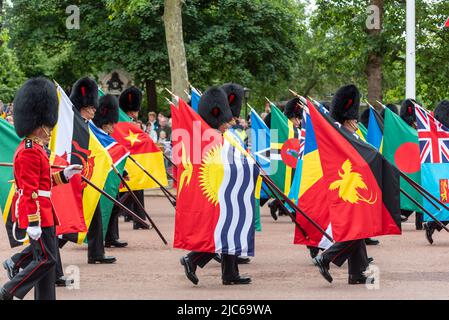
(71, 170)
(34, 232)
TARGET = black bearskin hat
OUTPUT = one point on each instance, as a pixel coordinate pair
(235, 94)
(214, 107)
(131, 99)
(407, 111)
(293, 109)
(390, 106)
(364, 117)
(107, 111)
(345, 104)
(84, 93)
(35, 105)
(442, 113)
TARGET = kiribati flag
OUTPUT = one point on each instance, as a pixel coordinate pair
(216, 186)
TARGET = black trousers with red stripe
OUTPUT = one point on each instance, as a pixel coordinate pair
(40, 272)
(229, 265)
(353, 251)
(23, 258)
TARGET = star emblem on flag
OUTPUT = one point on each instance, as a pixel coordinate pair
(133, 138)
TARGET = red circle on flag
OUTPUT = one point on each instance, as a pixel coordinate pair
(407, 158)
(290, 152)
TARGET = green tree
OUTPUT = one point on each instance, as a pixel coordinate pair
(11, 77)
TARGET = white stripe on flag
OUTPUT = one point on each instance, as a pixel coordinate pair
(249, 211)
(221, 200)
(234, 201)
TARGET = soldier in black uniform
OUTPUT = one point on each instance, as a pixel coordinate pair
(345, 110)
(84, 97)
(441, 113)
(130, 102)
(105, 117)
(214, 109)
(407, 113)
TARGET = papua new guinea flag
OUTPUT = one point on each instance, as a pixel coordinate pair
(401, 148)
(74, 141)
(285, 147)
(216, 185)
(361, 188)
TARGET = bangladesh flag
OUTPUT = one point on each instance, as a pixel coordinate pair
(400, 147)
(285, 147)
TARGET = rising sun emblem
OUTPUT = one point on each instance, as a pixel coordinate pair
(211, 174)
(350, 184)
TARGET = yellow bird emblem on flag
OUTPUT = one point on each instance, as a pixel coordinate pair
(350, 184)
(186, 175)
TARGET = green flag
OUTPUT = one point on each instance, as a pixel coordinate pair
(8, 146)
(401, 147)
(284, 150)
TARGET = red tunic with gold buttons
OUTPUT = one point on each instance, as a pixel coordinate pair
(33, 178)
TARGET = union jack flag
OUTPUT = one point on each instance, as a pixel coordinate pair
(433, 138)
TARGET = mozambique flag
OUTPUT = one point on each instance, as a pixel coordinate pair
(401, 148)
(66, 198)
(375, 130)
(75, 142)
(216, 186)
(285, 147)
(118, 155)
(354, 187)
(144, 151)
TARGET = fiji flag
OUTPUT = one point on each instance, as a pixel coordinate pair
(434, 147)
(216, 189)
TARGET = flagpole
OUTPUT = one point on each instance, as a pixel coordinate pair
(422, 191)
(424, 210)
(138, 203)
(410, 51)
(271, 185)
(166, 192)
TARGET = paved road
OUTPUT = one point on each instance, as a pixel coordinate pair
(409, 267)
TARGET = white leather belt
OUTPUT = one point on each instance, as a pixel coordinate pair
(43, 193)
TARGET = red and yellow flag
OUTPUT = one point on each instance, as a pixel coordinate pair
(144, 151)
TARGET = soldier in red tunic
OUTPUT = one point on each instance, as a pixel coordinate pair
(35, 115)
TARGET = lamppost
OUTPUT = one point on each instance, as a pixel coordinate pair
(247, 92)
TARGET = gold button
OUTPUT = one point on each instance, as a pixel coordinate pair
(34, 195)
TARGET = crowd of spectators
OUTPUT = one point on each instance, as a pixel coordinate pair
(6, 111)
